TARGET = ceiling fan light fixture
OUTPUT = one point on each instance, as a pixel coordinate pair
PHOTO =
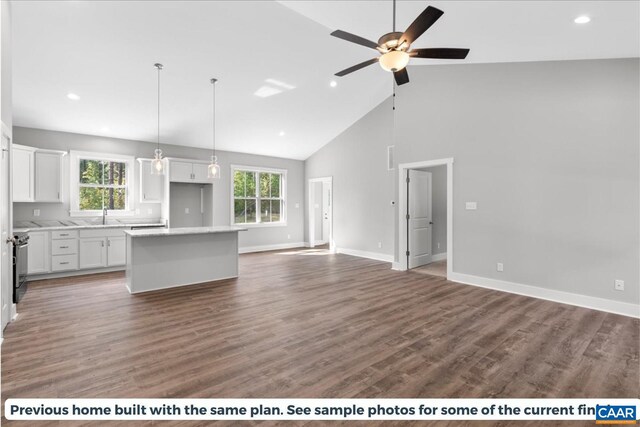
(394, 61)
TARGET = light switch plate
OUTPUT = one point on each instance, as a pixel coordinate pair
(500, 266)
(297, 205)
(186, 210)
(619, 285)
(36, 212)
(471, 206)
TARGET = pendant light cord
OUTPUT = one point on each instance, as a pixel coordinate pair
(159, 67)
(213, 82)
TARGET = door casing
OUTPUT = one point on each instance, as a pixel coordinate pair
(311, 210)
(401, 259)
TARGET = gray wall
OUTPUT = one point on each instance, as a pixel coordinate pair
(5, 42)
(548, 150)
(258, 236)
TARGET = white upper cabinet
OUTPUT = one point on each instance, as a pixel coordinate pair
(200, 172)
(37, 174)
(151, 186)
(182, 171)
(23, 173)
(48, 176)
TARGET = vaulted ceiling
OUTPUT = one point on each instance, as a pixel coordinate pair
(104, 52)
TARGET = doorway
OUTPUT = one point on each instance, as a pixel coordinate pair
(320, 207)
(425, 226)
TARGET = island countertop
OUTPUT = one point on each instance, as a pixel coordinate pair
(159, 232)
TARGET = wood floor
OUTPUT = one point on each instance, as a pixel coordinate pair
(305, 323)
(436, 268)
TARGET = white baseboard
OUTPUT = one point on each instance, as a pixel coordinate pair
(439, 257)
(277, 247)
(364, 254)
(610, 306)
(396, 266)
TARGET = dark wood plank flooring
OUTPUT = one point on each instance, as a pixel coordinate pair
(305, 323)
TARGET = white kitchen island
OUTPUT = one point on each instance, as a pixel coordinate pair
(161, 258)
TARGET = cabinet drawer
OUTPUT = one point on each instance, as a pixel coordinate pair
(64, 262)
(64, 234)
(64, 246)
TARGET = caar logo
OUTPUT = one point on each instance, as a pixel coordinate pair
(615, 414)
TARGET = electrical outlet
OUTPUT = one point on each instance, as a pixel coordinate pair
(379, 245)
(618, 285)
(297, 205)
(471, 206)
(438, 244)
(186, 210)
(149, 211)
(289, 236)
(137, 211)
(36, 212)
(500, 266)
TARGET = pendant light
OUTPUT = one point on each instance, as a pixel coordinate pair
(157, 164)
(213, 171)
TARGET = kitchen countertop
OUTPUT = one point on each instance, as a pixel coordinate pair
(83, 224)
(158, 232)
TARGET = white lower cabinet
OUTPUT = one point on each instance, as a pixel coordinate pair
(93, 252)
(116, 251)
(38, 258)
(65, 250)
(102, 248)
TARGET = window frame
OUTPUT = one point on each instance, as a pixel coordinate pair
(74, 182)
(283, 194)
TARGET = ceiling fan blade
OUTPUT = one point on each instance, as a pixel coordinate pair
(401, 76)
(440, 53)
(356, 67)
(422, 23)
(354, 39)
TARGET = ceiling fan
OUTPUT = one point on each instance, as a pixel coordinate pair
(394, 46)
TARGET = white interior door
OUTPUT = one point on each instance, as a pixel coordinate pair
(6, 247)
(420, 221)
(326, 211)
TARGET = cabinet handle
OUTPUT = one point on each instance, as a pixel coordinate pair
(102, 243)
(64, 247)
(63, 234)
(108, 242)
(64, 263)
(58, 195)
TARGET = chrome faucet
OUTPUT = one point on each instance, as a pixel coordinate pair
(104, 216)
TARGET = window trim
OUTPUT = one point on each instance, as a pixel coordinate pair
(74, 183)
(283, 190)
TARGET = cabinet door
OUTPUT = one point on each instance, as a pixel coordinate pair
(200, 172)
(22, 175)
(151, 186)
(93, 252)
(181, 172)
(38, 258)
(47, 171)
(116, 251)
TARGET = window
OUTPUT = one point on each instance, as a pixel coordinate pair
(100, 181)
(258, 196)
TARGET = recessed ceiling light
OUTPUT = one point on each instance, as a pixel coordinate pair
(333, 83)
(582, 20)
(267, 91)
(281, 133)
(73, 96)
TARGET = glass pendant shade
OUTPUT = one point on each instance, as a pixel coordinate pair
(395, 60)
(213, 171)
(157, 164)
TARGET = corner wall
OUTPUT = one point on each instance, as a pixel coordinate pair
(548, 150)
